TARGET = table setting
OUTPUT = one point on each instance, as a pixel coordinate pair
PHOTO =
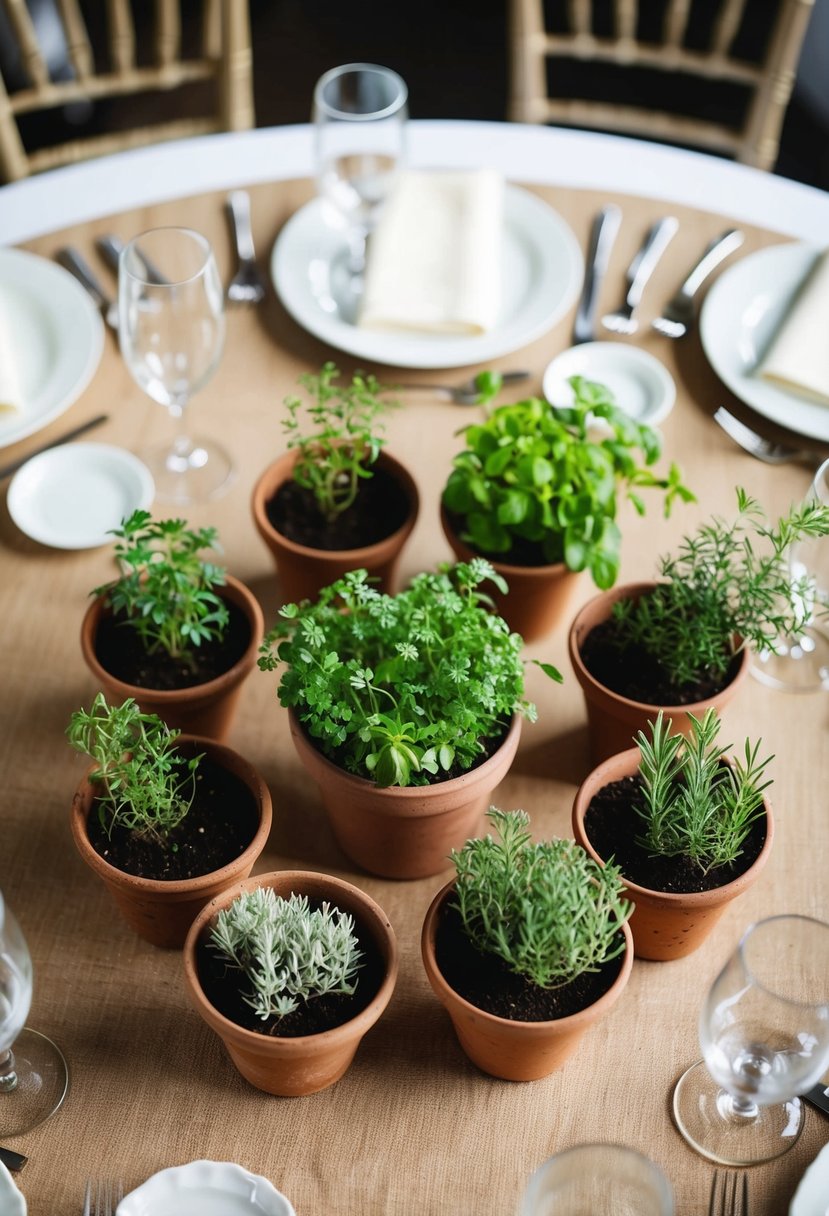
(439, 261)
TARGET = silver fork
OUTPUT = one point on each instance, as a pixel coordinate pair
(764, 449)
(678, 314)
(248, 284)
(466, 393)
(728, 1196)
(102, 1197)
(640, 270)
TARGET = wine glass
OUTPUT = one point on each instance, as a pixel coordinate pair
(801, 663)
(359, 115)
(598, 1180)
(34, 1077)
(171, 328)
(764, 1032)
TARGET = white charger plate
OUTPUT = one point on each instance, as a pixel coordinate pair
(69, 497)
(57, 335)
(12, 1202)
(812, 1195)
(542, 270)
(205, 1188)
(642, 386)
(739, 316)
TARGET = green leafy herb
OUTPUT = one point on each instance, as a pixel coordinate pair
(166, 590)
(343, 439)
(147, 786)
(532, 472)
(547, 909)
(697, 805)
(288, 952)
(398, 688)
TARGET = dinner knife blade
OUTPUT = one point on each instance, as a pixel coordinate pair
(77, 266)
(13, 1161)
(602, 235)
(8, 469)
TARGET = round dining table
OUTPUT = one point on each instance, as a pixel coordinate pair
(413, 1127)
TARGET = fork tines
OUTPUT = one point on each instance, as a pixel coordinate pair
(729, 1194)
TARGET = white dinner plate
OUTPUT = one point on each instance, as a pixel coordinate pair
(12, 1202)
(642, 386)
(205, 1188)
(740, 314)
(57, 335)
(71, 496)
(542, 271)
(812, 1195)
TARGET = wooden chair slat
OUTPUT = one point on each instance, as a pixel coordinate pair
(77, 38)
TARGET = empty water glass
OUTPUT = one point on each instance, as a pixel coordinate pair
(598, 1180)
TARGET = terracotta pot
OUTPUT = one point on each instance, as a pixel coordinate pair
(515, 1051)
(404, 832)
(202, 709)
(615, 720)
(162, 911)
(291, 1067)
(539, 597)
(665, 925)
(304, 571)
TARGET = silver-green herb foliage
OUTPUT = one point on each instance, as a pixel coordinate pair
(697, 805)
(547, 908)
(398, 688)
(145, 785)
(287, 951)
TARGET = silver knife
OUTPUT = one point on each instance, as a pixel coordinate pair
(12, 1160)
(8, 469)
(72, 261)
(602, 235)
(110, 248)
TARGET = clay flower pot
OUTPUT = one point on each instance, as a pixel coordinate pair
(615, 720)
(665, 925)
(161, 911)
(294, 1066)
(539, 597)
(404, 832)
(303, 571)
(202, 709)
(514, 1051)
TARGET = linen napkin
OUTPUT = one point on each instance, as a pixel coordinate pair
(11, 392)
(434, 260)
(797, 357)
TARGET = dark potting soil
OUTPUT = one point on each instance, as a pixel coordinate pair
(123, 654)
(486, 982)
(380, 508)
(522, 553)
(612, 825)
(630, 671)
(218, 827)
(224, 989)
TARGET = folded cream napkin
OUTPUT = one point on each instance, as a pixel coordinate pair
(797, 357)
(11, 392)
(434, 261)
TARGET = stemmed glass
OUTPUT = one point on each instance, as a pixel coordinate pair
(359, 116)
(801, 663)
(33, 1077)
(764, 1032)
(171, 328)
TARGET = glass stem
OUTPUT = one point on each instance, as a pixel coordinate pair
(357, 238)
(179, 459)
(8, 1076)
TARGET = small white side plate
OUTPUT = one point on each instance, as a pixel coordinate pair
(205, 1188)
(12, 1202)
(643, 387)
(71, 496)
(812, 1196)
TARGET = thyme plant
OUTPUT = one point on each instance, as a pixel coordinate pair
(287, 951)
(146, 785)
(729, 586)
(398, 688)
(166, 591)
(696, 805)
(547, 909)
(342, 440)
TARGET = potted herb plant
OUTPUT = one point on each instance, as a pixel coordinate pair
(405, 710)
(682, 643)
(526, 947)
(165, 820)
(175, 632)
(535, 491)
(689, 828)
(291, 970)
(335, 501)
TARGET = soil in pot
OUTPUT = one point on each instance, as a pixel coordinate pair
(122, 653)
(612, 823)
(486, 982)
(522, 553)
(631, 672)
(381, 507)
(221, 987)
(219, 827)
